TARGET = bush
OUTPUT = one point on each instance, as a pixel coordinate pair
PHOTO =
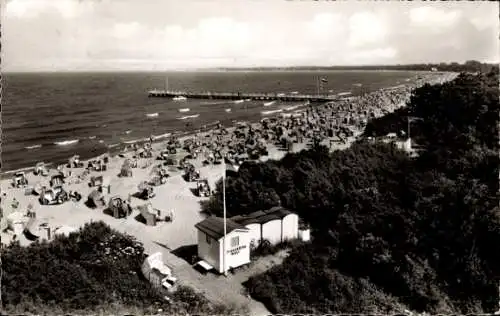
(96, 270)
(391, 228)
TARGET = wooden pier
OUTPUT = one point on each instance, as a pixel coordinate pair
(243, 96)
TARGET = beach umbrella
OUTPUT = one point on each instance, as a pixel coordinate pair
(143, 186)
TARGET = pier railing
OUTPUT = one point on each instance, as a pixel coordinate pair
(243, 95)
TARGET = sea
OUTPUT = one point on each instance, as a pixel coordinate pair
(50, 117)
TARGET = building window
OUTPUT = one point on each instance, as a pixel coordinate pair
(208, 239)
(235, 242)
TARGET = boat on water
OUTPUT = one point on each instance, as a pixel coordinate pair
(180, 98)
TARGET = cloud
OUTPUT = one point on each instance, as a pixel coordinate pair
(154, 34)
(366, 28)
(434, 18)
(34, 8)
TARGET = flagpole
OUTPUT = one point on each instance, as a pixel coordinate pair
(224, 206)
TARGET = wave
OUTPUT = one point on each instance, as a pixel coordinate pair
(344, 93)
(128, 131)
(152, 114)
(33, 147)
(228, 110)
(188, 116)
(294, 92)
(357, 84)
(271, 112)
(214, 103)
(162, 136)
(238, 101)
(101, 141)
(269, 103)
(184, 110)
(67, 142)
(293, 107)
(92, 137)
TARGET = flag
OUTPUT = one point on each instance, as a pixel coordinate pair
(229, 168)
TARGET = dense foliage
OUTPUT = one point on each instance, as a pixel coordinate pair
(390, 230)
(87, 272)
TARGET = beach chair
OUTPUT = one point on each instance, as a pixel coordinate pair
(96, 181)
(203, 188)
(119, 207)
(125, 171)
(40, 169)
(95, 199)
(19, 179)
(146, 191)
(54, 195)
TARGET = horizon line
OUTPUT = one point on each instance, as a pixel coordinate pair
(194, 69)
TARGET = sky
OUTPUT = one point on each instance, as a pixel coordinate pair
(159, 35)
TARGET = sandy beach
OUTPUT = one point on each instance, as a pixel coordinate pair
(335, 125)
(177, 194)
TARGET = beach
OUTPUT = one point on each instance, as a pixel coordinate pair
(302, 126)
(336, 125)
(50, 117)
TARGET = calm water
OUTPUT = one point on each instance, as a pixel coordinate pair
(50, 117)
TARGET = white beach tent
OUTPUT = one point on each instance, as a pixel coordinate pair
(155, 261)
(65, 230)
(16, 221)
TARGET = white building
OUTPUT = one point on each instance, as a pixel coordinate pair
(253, 225)
(275, 225)
(271, 228)
(211, 244)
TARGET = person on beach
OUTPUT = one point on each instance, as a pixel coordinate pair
(15, 204)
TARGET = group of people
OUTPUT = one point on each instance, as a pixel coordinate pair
(337, 120)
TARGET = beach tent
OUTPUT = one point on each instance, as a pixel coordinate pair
(95, 199)
(56, 178)
(126, 170)
(149, 214)
(36, 228)
(119, 207)
(155, 270)
(38, 188)
(152, 215)
(106, 185)
(65, 230)
(96, 181)
(40, 169)
(74, 162)
(17, 221)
